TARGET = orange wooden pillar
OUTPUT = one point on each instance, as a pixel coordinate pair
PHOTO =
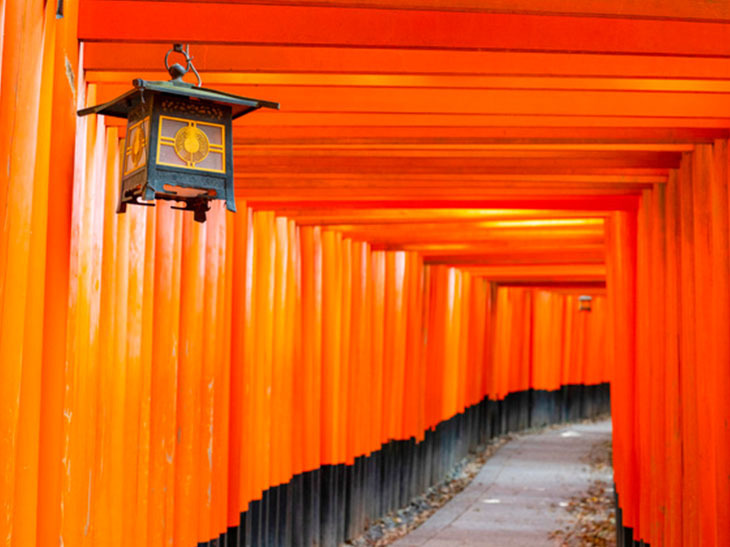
(427, 333)
(360, 366)
(547, 340)
(394, 347)
(464, 341)
(476, 339)
(438, 277)
(57, 253)
(164, 376)
(242, 356)
(703, 261)
(81, 364)
(25, 28)
(345, 297)
(293, 463)
(490, 333)
(720, 383)
(331, 346)
(502, 340)
(643, 372)
(214, 388)
(452, 327)
(187, 455)
(229, 469)
(263, 328)
(673, 522)
(108, 486)
(412, 385)
(688, 365)
(236, 426)
(28, 484)
(621, 260)
(282, 376)
(680, 368)
(378, 345)
(311, 342)
(656, 391)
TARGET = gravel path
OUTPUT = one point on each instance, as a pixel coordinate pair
(520, 495)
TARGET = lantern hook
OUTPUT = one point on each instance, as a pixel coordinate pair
(177, 71)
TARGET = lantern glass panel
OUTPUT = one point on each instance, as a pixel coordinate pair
(213, 162)
(167, 156)
(213, 132)
(191, 144)
(135, 146)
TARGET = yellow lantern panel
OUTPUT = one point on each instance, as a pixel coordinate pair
(135, 146)
(191, 144)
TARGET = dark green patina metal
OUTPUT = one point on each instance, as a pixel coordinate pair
(147, 102)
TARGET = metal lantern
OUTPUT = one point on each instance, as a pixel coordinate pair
(584, 303)
(179, 142)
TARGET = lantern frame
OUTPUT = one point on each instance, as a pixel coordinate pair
(198, 113)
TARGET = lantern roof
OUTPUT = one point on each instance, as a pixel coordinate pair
(120, 107)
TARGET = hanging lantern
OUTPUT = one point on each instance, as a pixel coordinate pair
(584, 303)
(179, 141)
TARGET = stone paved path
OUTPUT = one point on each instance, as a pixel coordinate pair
(515, 499)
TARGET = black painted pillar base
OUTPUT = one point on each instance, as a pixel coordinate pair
(624, 534)
(326, 506)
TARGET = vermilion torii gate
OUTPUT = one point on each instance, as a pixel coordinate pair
(415, 226)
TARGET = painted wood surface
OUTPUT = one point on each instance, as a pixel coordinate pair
(416, 226)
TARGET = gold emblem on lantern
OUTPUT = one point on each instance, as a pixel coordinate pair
(138, 143)
(135, 150)
(191, 144)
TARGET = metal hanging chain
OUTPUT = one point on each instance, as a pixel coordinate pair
(177, 71)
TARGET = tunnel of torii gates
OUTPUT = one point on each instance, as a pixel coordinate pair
(400, 283)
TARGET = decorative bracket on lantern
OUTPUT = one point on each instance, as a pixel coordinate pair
(179, 140)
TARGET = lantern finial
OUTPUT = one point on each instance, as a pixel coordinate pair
(177, 71)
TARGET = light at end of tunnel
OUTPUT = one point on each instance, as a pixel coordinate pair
(425, 247)
(545, 222)
(500, 212)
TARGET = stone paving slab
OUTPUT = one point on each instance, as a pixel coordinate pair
(515, 499)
